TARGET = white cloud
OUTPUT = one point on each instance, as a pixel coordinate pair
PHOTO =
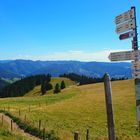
(72, 55)
(79, 55)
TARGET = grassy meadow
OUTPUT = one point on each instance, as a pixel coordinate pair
(77, 108)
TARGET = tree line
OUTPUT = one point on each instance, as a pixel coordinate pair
(21, 87)
(82, 79)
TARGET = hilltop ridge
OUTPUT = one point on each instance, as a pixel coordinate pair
(20, 68)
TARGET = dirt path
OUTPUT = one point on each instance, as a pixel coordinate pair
(16, 128)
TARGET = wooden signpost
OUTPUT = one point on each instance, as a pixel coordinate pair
(126, 24)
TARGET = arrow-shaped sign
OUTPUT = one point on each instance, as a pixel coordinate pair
(124, 16)
(124, 55)
(125, 26)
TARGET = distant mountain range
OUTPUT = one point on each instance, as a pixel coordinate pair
(21, 68)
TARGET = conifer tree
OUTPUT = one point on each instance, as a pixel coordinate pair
(63, 85)
(48, 86)
(43, 88)
(57, 88)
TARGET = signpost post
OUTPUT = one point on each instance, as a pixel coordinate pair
(126, 24)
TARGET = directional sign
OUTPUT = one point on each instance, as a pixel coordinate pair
(125, 26)
(125, 16)
(127, 35)
(120, 56)
(124, 55)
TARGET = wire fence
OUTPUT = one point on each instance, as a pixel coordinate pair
(86, 134)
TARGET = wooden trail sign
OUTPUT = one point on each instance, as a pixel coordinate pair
(125, 26)
(125, 16)
(120, 56)
(124, 55)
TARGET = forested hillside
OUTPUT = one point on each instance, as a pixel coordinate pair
(19, 88)
(83, 80)
(3, 83)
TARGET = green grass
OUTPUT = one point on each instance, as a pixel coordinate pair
(7, 134)
(26, 127)
(77, 108)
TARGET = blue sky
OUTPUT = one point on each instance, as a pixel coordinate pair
(62, 29)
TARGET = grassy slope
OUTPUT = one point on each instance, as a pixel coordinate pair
(6, 134)
(36, 91)
(78, 108)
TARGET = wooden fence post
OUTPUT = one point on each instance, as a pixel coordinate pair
(87, 134)
(39, 124)
(11, 125)
(19, 112)
(109, 108)
(43, 133)
(76, 135)
(29, 109)
(25, 118)
(2, 120)
(139, 126)
(8, 108)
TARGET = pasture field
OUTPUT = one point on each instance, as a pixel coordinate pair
(77, 108)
